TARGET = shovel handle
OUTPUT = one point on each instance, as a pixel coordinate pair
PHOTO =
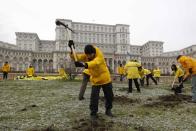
(173, 81)
(74, 53)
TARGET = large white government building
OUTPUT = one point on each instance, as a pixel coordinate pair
(113, 40)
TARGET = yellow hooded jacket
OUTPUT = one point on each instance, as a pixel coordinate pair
(131, 69)
(157, 72)
(187, 63)
(144, 72)
(121, 70)
(179, 72)
(6, 68)
(30, 71)
(147, 72)
(99, 73)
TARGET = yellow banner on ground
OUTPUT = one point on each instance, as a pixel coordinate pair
(41, 78)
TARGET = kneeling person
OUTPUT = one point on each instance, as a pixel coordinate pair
(178, 74)
(30, 71)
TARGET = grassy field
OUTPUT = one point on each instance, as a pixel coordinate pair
(54, 105)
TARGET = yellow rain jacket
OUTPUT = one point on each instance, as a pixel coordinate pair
(187, 63)
(179, 72)
(30, 71)
(131, 69)
(6, 68)
(62, 72)
(121, 70)
(157, 72)
(99, 73)
(147, 72)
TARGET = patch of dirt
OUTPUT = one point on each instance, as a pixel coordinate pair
(97, 125)
(49, 128)
(28, 107)
(140, 128)
(162, 104)
(123, 89)
(122, 100)
(179, 97)
(169, 101)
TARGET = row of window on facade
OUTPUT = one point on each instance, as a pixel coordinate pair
(85, 39)
(95, 35)
(7, 52)
(26, 35)
(14, 58)
(152, 45)
(187, 51)
(90, 40)
(97, 28)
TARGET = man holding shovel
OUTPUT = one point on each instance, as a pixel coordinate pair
(99, 76)
(189, 64)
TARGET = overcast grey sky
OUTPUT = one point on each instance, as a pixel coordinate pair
(170, 21)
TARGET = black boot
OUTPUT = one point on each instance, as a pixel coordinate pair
(94, 117)
(109, 113)
(81, 98)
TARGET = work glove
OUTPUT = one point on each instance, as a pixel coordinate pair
(71, 43)
(190, 71)
(79, 64)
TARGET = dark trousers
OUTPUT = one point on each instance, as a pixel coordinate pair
(150, 76)
(136, 85)
(181, 85)
(142, 81)
(108, 94)
(157, 79)
(121, 77)
(5, 74)
(85, 81)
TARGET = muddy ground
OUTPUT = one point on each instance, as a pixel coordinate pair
(54, 106)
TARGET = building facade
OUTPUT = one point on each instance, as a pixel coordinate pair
(113, 40)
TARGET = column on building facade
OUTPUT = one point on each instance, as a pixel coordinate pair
(45, 65)
(115, 66)
(110, 63)
(55, 62)
(50, 65)
(40, 66)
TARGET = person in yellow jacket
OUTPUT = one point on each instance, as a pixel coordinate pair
(62, 72)
(189, 64)
(157, 74)
(86, 78)
(99, 77)
(30, 71)
(131, 69)
(142, 75)
(121, 72)
(148, 75)
(179, 73)
(5, 70)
